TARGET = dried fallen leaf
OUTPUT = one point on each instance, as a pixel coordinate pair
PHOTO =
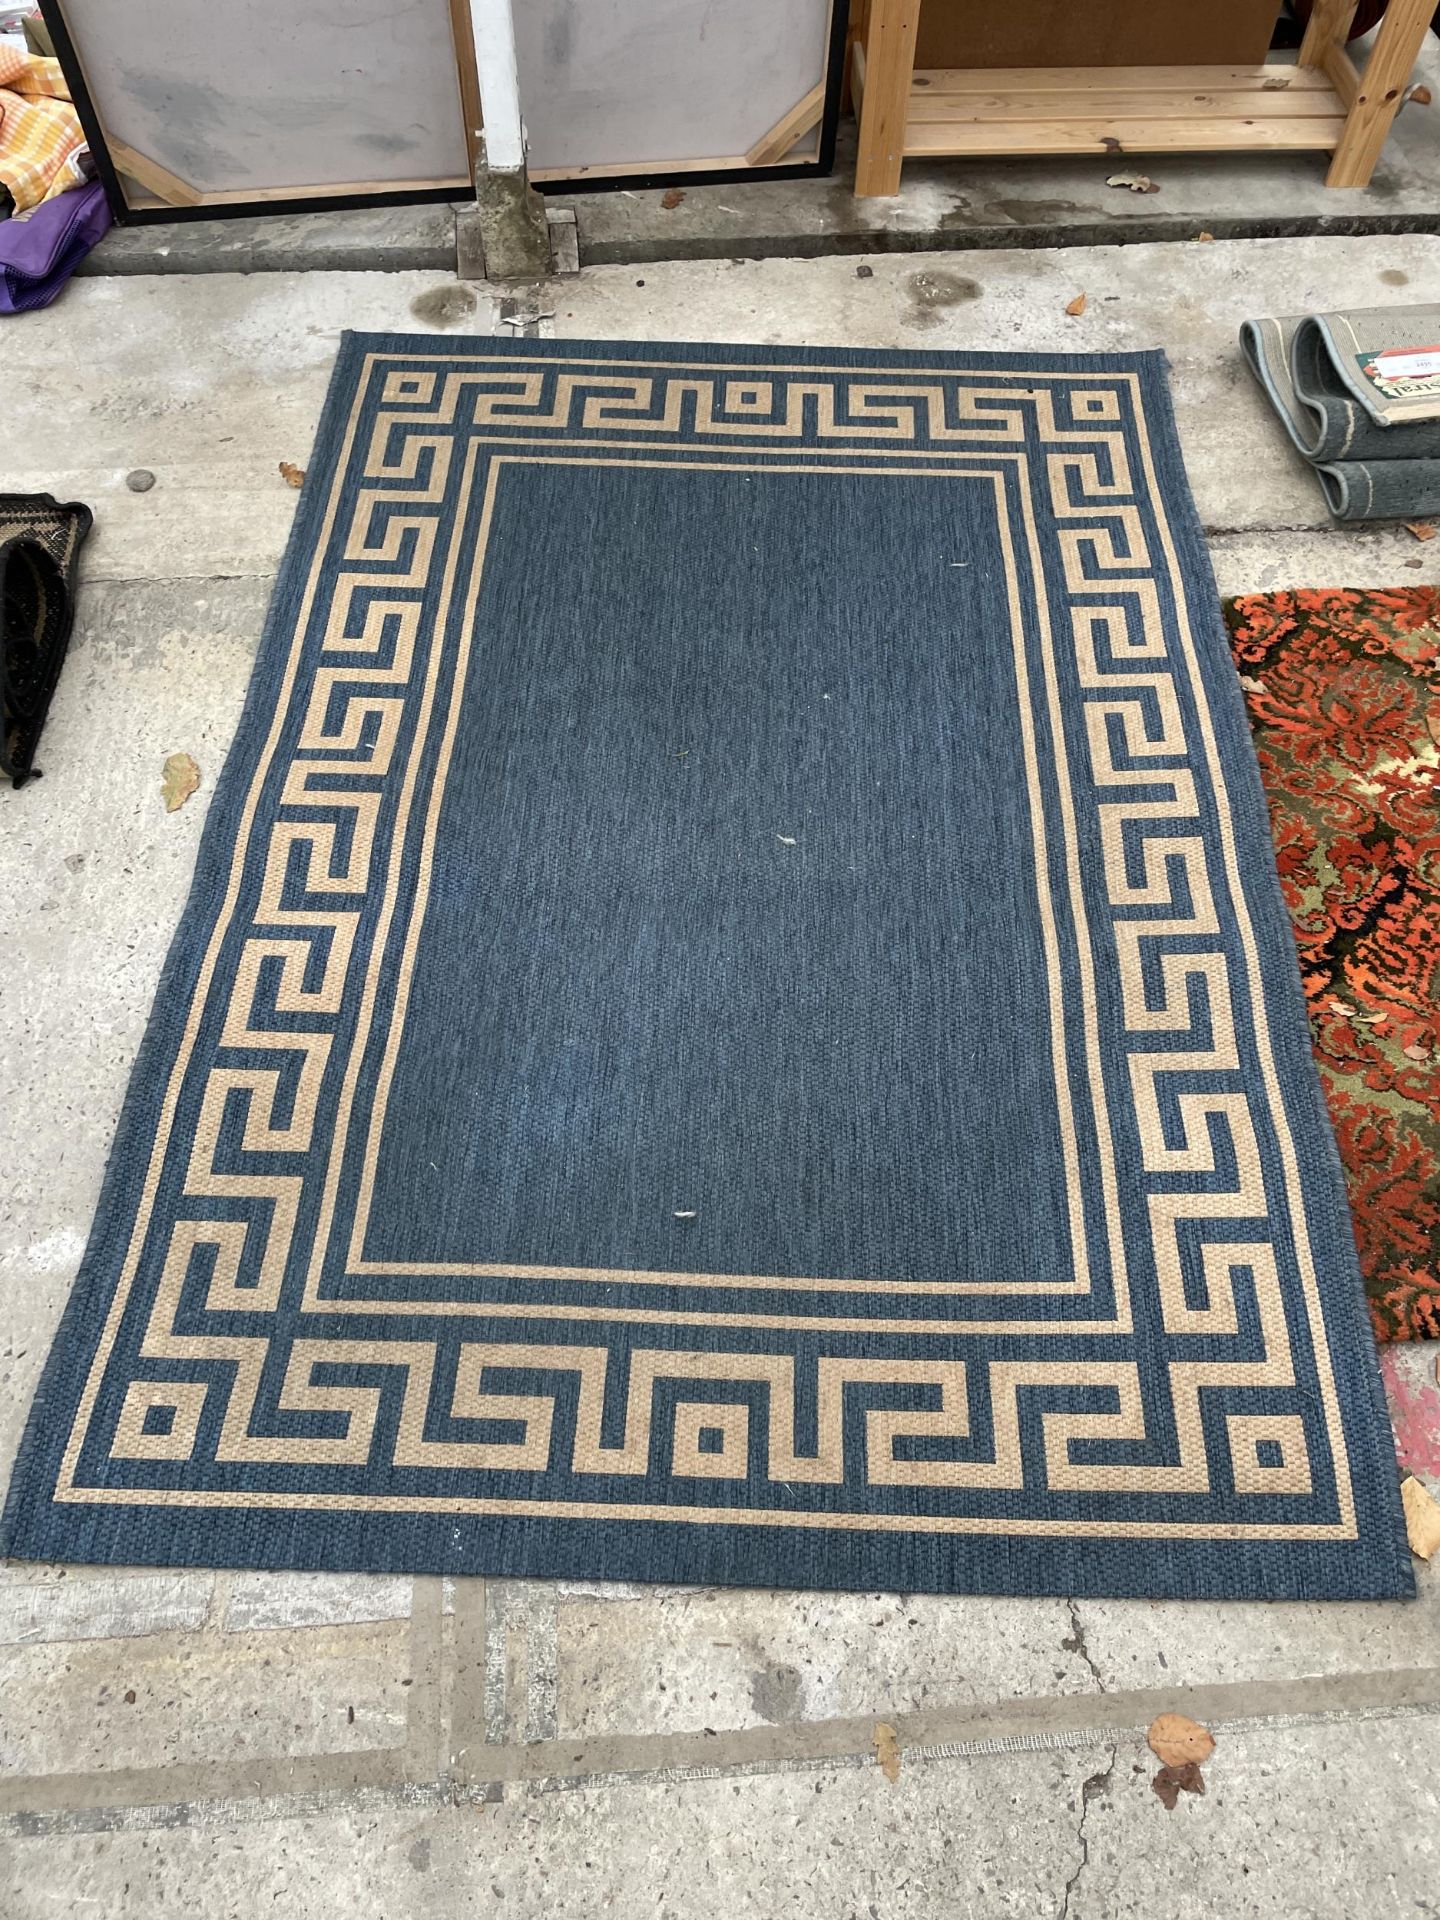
(1251, 684)
(130, 1696)
(1170, 1782)
(1076, 306)
(1111, 144)
(671, 198)
(1421, 529)
(887, 1750)
(1417, 1053)
(1136, 182)
(1419, 97)
(1422, 1517)
(1204, 234)
(292, 475)
(1176, 1741)
(1275, 84)
(179, 778)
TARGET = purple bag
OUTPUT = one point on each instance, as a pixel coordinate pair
(39, 254)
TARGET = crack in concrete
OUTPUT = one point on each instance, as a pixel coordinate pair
(103, 580)
(1076, 1643)
(1094, 1787)
(1300, 527)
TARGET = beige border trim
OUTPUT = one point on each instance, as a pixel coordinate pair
(840, 1522)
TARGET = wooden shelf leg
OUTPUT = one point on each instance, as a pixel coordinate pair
(1382, 86)
(889, 69)
(1329, 27)
(854, 30)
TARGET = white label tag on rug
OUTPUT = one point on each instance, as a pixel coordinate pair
(1403, 370)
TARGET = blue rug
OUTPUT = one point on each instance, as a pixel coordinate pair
(735, 1022)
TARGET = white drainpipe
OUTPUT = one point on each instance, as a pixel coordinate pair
(494, 29)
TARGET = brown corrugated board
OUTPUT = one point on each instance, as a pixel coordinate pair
(1094, 33)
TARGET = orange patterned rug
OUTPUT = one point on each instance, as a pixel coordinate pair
(1343, 690)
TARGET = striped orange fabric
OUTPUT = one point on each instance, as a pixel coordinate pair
(40, 135)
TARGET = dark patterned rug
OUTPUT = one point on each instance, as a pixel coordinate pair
(1343, 690)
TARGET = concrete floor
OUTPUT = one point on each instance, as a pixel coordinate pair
(230, 1744)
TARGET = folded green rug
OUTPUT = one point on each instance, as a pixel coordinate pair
(1359, 394)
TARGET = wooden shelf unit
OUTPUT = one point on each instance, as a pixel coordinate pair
(1321, 102)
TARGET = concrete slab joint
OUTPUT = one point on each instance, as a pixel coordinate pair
(564, 239)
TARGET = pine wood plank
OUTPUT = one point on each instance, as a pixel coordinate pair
(1147, 81)
(1080, 134)
(802, 118)
(889, 66)
(1339, 70)
(160, 181)
(1381, 86)
(467, 74)
(623, 169)
(1328, 26)
(329, 189)
(1101, 103)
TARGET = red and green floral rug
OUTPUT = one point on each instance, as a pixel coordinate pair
(1343, 690)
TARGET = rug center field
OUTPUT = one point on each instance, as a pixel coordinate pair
(719, 957)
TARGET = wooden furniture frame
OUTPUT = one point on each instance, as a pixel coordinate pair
(140, 190)
(1322, 102)
(804, 118)
(800, 145)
